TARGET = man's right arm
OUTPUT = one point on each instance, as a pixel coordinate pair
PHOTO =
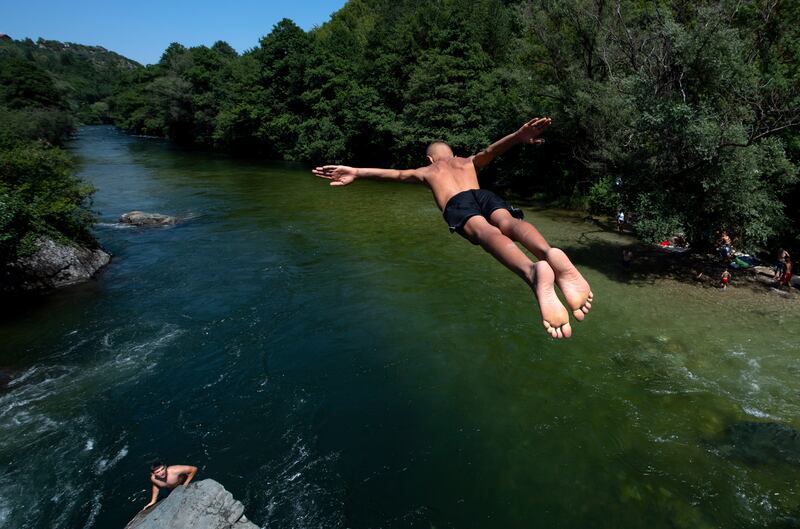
(342, 175)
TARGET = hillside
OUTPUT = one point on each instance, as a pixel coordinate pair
(83, 75)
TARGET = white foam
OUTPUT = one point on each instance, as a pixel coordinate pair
(758, 413)
(96, 505)
(5, 512)
(105, 464)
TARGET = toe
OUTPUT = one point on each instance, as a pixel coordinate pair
(579, 314)
(585, 309)
(566, 330)
(559, 334)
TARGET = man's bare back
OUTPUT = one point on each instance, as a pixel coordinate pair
(487, 220)
(448, 177)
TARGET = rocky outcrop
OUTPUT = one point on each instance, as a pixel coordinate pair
(140, 218)
(53, 265)
(203, 505)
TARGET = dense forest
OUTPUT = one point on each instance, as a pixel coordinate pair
(46, 88)
(685, 114)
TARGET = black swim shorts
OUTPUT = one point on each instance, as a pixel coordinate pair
(466, 204)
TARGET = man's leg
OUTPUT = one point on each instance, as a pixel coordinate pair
(539, 276)
(575, 288)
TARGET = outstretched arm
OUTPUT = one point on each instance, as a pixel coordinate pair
(341, 175)
(528, 133)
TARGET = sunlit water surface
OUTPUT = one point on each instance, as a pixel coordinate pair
(336, 358)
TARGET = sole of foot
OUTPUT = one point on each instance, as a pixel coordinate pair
(576, 290)
(555, 317)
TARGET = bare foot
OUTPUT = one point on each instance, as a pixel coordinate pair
(555, 317)
(576, 290)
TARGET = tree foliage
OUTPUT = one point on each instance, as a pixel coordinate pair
(39, 193)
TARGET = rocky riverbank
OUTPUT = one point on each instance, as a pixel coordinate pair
(54, 264)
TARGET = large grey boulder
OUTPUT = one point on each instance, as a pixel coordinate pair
(140, 218)
(53, 264)
(203, 505)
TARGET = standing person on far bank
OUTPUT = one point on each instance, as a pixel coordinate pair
(786, 278)
(620, 220)
(726, 278)
(170, 477)
(725, 247)
(780, 264)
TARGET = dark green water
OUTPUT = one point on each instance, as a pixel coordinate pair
(336, 358)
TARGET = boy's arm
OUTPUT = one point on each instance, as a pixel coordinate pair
(154, 497)
(341, 175)
(190, 473)
(528, 133)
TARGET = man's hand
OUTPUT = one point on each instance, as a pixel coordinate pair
(530, 131)
(339, 175)
(149, 505)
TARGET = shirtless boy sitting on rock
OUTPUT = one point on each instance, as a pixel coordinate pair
(487, 220)
(170, 477)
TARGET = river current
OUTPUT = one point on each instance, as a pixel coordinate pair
(335, 358)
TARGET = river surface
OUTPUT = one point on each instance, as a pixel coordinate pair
(336, 358)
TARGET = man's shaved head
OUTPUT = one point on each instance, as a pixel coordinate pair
(439, 150)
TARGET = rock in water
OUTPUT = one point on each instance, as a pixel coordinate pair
(53, 265)
(203, 505)
(140, 218)
(763, 443)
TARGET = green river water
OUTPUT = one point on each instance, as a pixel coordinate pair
(336, 358)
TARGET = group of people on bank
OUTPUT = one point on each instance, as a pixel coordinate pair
(783, 267)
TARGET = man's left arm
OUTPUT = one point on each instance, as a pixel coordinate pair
(528, 133)
(190, 472)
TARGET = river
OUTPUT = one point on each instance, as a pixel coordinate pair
(335, 358)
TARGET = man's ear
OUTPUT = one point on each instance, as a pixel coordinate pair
(430, 158)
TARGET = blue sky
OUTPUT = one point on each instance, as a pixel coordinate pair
(142, 29)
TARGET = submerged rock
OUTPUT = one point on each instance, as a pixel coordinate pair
(53, 265)
(140, 218)
(203, 505)
(763, 442)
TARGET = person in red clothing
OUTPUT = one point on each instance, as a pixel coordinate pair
(726, 278)
(786, 278)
